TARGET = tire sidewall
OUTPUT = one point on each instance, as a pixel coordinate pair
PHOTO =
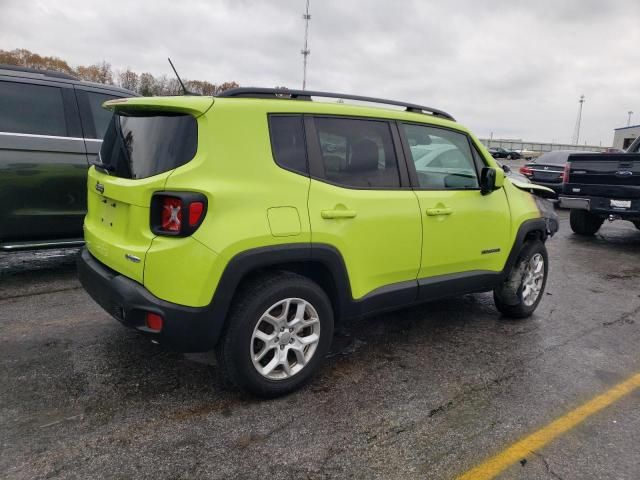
(529, 250)
(239, 336)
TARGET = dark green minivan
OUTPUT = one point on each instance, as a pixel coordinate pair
(51, 126)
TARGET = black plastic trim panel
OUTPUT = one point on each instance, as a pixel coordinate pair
(198, 329)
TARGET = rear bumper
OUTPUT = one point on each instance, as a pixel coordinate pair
(186, 329)
(601, 206)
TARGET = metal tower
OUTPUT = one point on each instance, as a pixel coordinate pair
(629, 118)
(576, 130)
(305, 51)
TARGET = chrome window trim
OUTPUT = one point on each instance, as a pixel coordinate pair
(33, 135)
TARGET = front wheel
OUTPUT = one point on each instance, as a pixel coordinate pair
(278, 332)
(522, 290)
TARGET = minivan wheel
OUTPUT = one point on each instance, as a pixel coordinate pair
(278, 332)
(584, 223)
(522, 290)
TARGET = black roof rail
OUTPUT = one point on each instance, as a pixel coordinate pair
(253, 92)
(48, 73)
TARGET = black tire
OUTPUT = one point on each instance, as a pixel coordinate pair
(637, 224)
(584, 223)
(508, 298)
(254, 299)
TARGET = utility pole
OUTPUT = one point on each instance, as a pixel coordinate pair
(305, 51)
(576, 130)
(629, 118)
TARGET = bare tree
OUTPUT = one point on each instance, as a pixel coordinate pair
(128, 79)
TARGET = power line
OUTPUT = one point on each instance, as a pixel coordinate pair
(305, 51)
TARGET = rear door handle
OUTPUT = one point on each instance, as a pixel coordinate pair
(329, 214)
(433, 212)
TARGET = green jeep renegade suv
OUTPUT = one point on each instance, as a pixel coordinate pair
(254, 221)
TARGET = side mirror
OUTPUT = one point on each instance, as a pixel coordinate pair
(491, 179)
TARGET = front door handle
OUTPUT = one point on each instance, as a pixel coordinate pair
(329, 214)
(433, 212)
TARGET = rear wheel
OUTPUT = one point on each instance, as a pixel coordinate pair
(521, 292)
(584, 223)
(279, 330)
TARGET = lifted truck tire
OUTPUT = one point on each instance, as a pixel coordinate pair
(522, 290)
(584, 223)
(274, 320)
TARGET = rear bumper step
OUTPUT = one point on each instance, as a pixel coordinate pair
(186, 329)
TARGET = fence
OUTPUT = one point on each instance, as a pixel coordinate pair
(538, 146)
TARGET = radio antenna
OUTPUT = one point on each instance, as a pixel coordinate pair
(184, 89)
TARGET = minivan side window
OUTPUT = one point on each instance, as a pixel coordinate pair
(101, 116)
(288, 143)
(357, 153)
(31, 109)
(442, 158)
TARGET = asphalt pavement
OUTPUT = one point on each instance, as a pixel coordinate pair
(427, 392)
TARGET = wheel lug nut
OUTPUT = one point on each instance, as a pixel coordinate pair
(291, 329)
(277, 339)
(291, 340)
(282, 329)
(281, 347)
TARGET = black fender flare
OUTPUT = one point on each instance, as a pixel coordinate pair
(250, 261)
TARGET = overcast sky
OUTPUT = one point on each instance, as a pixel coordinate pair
(514, 68)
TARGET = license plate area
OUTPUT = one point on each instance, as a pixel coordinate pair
(113, 215)
(620, 204)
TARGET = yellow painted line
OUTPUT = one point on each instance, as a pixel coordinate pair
(493, 466)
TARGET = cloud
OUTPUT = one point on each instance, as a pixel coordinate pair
(515, 68)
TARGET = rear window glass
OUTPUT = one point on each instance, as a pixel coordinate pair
(139, 146)
(34, 109)
(553, 158)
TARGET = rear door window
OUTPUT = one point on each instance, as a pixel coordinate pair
(139, 146)
(100, 116)
(357, 153)
(288, 143)
(32, 109)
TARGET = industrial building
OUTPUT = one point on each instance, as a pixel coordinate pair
(624, 136)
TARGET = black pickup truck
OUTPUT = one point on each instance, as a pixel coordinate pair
(602, 186)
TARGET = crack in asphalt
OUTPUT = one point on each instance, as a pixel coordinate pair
(547, 465)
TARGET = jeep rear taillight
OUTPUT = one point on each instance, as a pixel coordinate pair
(171, 214)
(177, 214)
(195, 213)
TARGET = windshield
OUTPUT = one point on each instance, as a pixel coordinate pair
(142, 145)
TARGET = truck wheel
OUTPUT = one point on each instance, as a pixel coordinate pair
(522, 290)
(584, 223)
(278, 332)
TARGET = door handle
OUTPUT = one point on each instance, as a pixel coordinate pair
(329, 214)
(433, 212)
